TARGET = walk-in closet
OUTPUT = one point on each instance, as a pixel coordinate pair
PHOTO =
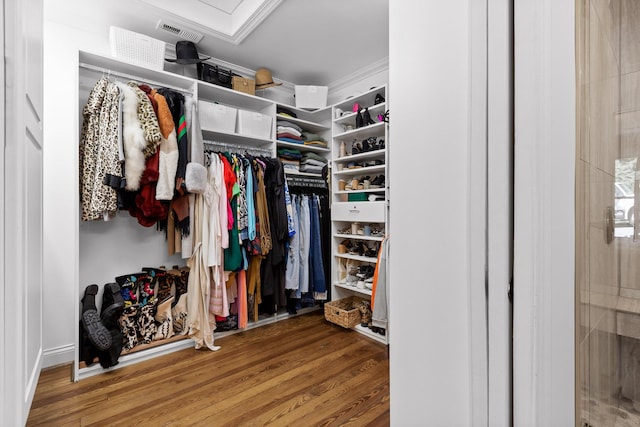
(212, 196)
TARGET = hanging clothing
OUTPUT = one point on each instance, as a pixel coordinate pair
(292, 278)
(380, 290)
(304, 219)
(232, 254)
(318, 283)
(273, 268)
(218, 303)
(99, 151)
(199, 323)
(132, 139)
(168, 163)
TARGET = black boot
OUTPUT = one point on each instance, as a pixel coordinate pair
(96, 331)
(88, 352)
(112, 308)
(112, 305)
(109, 357)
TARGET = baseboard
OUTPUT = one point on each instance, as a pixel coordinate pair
(58, 356)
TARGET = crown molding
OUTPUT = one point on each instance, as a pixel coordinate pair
(234, 36)
(254, 20)
(345, 82)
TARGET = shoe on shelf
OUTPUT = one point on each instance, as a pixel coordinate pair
(371, 253)
(377, 232)
(378, 182)
(346, 230)
(359, 120)
(356, 148)
(366, 118)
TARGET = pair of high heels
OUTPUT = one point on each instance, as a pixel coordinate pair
(363, 118)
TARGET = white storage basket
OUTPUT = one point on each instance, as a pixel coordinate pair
(311, 96)
(217, 117)
(136, 48)
(252, 123)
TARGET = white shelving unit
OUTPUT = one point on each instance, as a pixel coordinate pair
(315, 121)
(356, 203)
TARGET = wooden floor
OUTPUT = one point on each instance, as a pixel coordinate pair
(301, 371)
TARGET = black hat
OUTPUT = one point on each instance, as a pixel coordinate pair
(186, 53)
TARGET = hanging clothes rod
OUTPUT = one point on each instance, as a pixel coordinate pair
(227, 146)
(301, 181)
(135, 78)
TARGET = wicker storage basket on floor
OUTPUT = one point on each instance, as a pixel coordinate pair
(343, 312)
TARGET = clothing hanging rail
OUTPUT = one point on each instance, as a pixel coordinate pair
(227, 146)
(302, 181)
(132, 77)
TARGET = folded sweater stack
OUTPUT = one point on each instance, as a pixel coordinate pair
(289, 132)
(290, 158)
(312, 163)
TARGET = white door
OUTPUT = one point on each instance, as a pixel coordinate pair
(544, 225)
(22, 208)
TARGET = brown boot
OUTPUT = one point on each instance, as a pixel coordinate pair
(164, 320)
(179, 315)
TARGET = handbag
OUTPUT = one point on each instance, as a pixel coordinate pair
(216, 75)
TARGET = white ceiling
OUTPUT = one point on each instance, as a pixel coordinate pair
(306, 42)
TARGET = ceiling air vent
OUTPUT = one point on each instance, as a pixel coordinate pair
(180, 32)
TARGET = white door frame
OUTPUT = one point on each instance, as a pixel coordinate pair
(3, 282)
(544, 246)
(499, 209)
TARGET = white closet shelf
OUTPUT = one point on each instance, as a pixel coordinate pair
(236, 138)
(360, 171)
(303, 147)
(359, 237)
(304, 124)
(363, 132)
(373, 154)
(357, 258)
(223, 95)
(107, 65)
(364, 291)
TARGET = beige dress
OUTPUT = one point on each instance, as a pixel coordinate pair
(198, 294)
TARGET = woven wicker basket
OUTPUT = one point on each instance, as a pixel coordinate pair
(245, 85)
(343, 312)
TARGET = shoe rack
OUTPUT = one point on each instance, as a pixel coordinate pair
(360, 195)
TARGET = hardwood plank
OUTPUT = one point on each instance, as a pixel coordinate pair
(299, 371)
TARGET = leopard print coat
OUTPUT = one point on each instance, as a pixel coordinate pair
(148, 121)
(99, 151)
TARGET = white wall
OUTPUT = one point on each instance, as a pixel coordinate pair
(430, 349)
(60, 199)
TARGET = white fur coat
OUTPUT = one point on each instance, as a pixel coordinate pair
(132, 138)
